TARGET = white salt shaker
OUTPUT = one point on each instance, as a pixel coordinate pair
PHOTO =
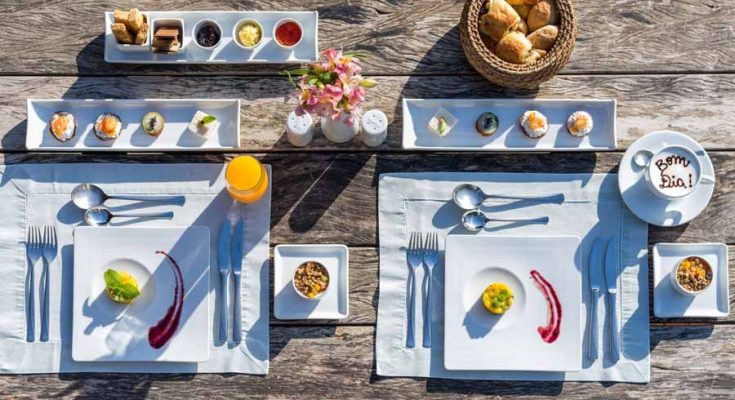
(299, 130)
(374, 128)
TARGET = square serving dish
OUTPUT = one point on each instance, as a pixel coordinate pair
(712, 303)
(146, 46)
(334, 304)
(169, 22)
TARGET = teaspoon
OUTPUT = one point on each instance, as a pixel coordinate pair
(475, 220)
(98, 216)
(86, 196)
(470, 197)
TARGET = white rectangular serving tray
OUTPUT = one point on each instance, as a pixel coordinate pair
(509, 136)
(227, 51)
(177, 114)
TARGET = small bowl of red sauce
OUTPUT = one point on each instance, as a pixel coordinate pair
(288, 33)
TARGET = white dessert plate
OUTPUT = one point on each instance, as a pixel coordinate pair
(474, 339)
(654, 209)
(509, 136)
(334, 304)
(177, 115)
(107, 331)
(227, 51)
(668, 303)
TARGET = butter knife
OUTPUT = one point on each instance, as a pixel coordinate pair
(237, 254)
(595, 275)
(223, 257)
(611, 275)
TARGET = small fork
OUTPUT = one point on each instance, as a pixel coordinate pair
(49, 250)
(33, 251)
(431, 257)
(414, 256)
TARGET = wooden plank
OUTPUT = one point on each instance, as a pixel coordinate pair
(406, 37)
(331, 198)
(338, 362)
(699, 105)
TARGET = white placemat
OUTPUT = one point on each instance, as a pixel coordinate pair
(39, 194)
(593, 208)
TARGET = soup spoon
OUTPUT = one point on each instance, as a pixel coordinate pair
(475, 220)
(86, 196)
(470, 197)
(98, 216)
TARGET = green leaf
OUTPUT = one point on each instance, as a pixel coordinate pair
(121, 286)
(207, 120)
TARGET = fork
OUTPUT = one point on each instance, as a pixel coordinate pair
(49, 249)
(414, 256)
(431, 257)
(33, 251)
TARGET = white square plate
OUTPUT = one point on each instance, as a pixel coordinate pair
(106, 331)
(334, 304)
(668, 303)
(474, 339)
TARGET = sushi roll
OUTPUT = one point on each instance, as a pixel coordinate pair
(108, 126)
(580, 124)
(534, 124)
(153, 123)
(487, 124)
(63, 126)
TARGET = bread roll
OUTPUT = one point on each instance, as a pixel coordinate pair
(534, 56)
(135, 20)
(544, 38)
(542, 14)
(498, 20)
(521, 2)
(514, 48)
(522, 10)
(520, 27)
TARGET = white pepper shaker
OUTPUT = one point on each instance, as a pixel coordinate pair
(299, 129)
(374, 128)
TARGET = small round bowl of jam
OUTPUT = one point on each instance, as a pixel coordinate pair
(207, 34)
(692, 276)
(288, 33)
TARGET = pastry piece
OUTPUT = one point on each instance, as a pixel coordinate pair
(121, 17)
(534, 56)
(142, 35)
(487, 124)
(580, 124)
(544, 38)
(135, 20)
(534, 124)
(498, 20)
(514, 48)
(121, 33)
(542, 14)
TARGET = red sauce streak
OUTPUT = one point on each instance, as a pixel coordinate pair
(288, 33)
(163, 331)
(551, 331)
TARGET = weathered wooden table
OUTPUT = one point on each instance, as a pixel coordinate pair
(670, 64)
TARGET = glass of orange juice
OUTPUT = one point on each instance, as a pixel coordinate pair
(247, 180)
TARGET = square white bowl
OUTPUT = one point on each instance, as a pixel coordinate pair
(146, 46)
(712, 303)
(334, 304)
(177, 22)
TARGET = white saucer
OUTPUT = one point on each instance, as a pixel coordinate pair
(668, 303)
(646, 205)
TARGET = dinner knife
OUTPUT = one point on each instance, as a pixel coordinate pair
(237, 253)
(223, 256)
(595, 275)
(611, 275)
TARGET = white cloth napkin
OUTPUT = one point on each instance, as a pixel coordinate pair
(593, 208)
(39, 194)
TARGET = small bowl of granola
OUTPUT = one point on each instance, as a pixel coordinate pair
(692, 276)
(311, 280)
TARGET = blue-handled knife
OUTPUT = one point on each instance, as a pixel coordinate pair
(611, 276)
(237, 254)
(223, 258)
(595, 275)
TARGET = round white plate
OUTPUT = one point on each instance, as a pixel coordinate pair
(646, 205)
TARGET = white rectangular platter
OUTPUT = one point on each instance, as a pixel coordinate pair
(474, 339)
(175, 136)
(509, 136)
(107, 331)
(227, 51)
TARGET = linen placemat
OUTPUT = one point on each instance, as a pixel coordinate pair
(592, 208)
(39, 194)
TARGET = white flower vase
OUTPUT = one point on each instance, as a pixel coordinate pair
(339, 130)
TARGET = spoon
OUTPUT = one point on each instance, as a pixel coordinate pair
(101, 216)
(86, 196)
(471, 197)
(475, 220)
(642, 158)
